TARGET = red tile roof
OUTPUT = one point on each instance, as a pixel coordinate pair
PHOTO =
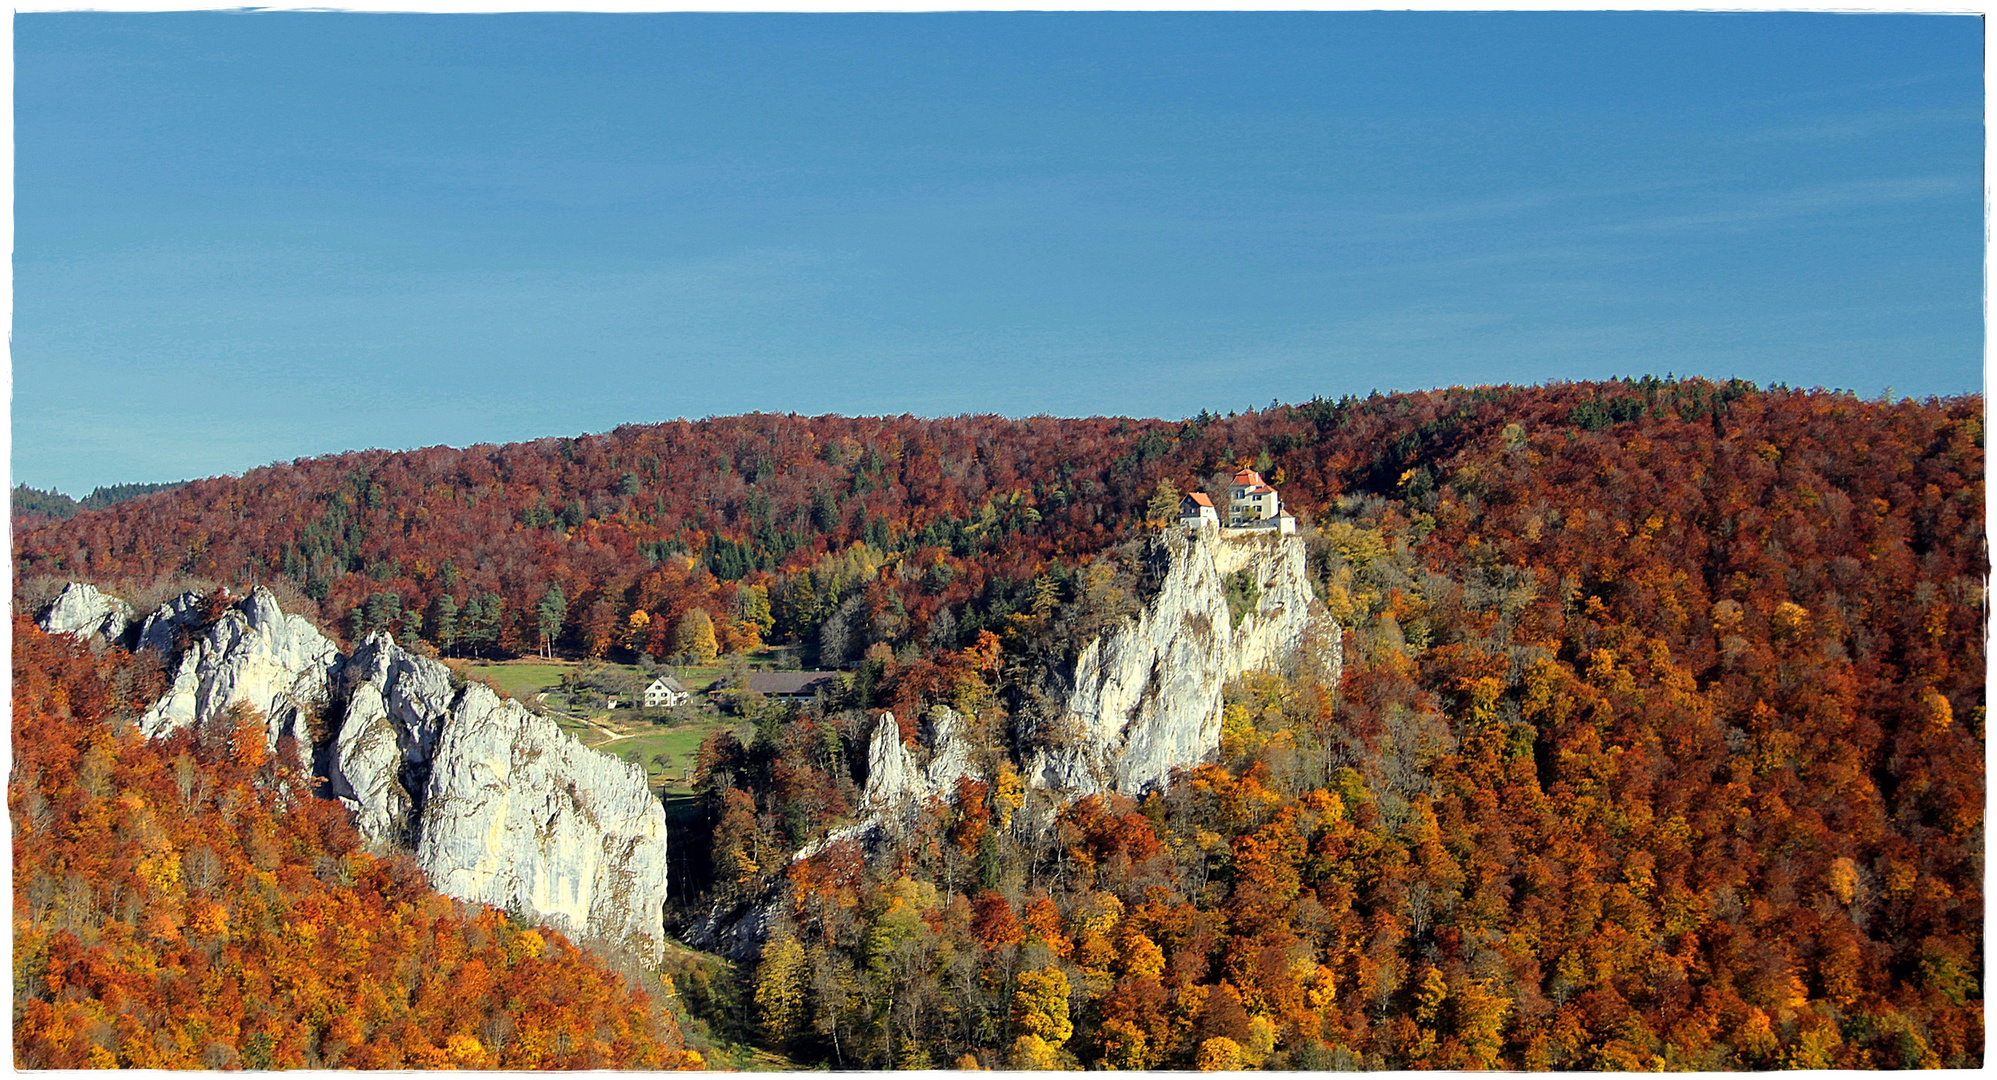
(1201, 498)
(1252, 480)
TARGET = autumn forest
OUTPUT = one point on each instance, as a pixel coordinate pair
(1658, 744)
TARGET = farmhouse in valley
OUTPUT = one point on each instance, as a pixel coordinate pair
(665, 693)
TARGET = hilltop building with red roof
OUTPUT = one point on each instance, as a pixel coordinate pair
(1197, 511)
(1253, 504)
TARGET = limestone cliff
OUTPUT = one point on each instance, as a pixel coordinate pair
(894, 781)
(87, 613)
(1146, 696)
(519, 815)
(501, 806)
(255, 655)
(380, 760)
(161, 630)
(949, 751)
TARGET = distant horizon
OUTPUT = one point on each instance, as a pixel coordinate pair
(1895, 398)
(246, 238)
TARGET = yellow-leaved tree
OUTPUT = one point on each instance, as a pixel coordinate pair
(694, 638)
(780, 988)
(1030, 1053)
(1163, 509)
(1219, 1054)
(636, 629)
(1040, 1005)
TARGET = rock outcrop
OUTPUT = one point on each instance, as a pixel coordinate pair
(894, 792)
(735, 931)
(254, 655)
(380, 760)
(1146, 696)
(501, 806)
(519, 815)
(1069, 771)
(83, 611)
(949, 752)
(162, 628)
(893, 781)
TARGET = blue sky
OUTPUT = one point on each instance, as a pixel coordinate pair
(243, 238)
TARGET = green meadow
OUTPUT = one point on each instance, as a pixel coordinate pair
(660, 742)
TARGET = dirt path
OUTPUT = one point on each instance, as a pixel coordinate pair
(617, 737)
(594, 725)
(614, 734)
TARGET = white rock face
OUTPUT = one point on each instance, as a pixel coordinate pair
(396, 704)
(502, 806)
(893, 781)
(256, 655)
(85, 612)
(162, 626)
(949, 752)
(519, 815)
(1147, 695)
(1069, 771)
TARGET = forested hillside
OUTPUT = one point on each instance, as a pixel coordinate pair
(1659, 742)
(31, 506)
(179, 905)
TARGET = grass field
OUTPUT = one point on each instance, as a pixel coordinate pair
(628, 735)
(526, 677)
(522, 681)
(676, 743)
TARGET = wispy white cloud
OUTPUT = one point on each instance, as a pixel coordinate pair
(1859, 125)
(1743, 210)
(1533, 202)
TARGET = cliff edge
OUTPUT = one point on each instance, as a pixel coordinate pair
(1146, 695)
(500, 806)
